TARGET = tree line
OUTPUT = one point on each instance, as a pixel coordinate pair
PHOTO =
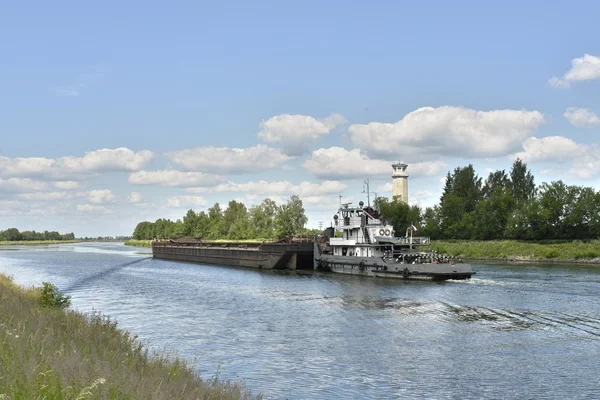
(507, 205)
(13, 235)
(237, 222)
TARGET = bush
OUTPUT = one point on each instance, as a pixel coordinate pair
(50, 296)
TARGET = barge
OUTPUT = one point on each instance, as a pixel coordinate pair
(292, 254)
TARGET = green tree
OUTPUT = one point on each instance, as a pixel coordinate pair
(190, 223)
(215, 218)
(235, 224)
(290, 219)
(522, 182)
(399, 214)
(262, 218)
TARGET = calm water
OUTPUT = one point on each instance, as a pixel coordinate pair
(513, 332)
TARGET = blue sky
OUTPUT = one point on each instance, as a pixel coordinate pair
(118, 112)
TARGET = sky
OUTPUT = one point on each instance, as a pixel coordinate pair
(112, 113)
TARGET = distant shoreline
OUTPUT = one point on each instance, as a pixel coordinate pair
(35, 242)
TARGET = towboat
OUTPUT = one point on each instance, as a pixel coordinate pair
(368, 247)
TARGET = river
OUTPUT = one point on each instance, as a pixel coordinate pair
(513, 331)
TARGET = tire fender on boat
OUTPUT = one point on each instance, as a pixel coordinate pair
(405, 272)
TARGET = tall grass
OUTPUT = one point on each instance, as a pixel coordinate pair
(51, 353)
(513, 249)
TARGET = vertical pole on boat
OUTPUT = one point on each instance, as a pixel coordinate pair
(366, 182)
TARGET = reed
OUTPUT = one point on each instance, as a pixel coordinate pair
(55, 353)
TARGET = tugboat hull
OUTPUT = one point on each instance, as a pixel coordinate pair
(391, 269)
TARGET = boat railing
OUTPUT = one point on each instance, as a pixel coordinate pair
(418, 240)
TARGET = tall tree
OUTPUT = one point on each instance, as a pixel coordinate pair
(497, 180)
(262, 218)
(522, 182)
(235, 221)
(291, 218)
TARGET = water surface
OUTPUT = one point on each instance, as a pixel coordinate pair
(514, 331)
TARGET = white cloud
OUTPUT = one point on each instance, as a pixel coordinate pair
(67, 185)
(582, 117)
(296, 132)
(44, 196)
(134, 197)
(339, 163)
(173, 178)
(447, 130)
(551, 148)
(186, 201)
(228, 159)
(91, 209)
(276, 188)
(101, 196)
(103, 160)
(585, 68)
(21, 185)
(387, 187)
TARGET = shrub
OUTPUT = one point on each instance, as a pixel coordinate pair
(50, 296)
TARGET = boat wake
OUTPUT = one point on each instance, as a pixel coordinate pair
(84, 281)
(510, 320)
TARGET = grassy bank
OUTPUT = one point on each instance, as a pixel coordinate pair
(513, 250)
(35, 242)
(51, 353)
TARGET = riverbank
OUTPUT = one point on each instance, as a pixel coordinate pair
(54, 353)
(583, 252)
(34, 242)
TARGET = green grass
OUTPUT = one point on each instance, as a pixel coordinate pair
(515, 250)
(51, 353)
(35, 242)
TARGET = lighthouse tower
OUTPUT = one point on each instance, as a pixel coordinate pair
(400, 182)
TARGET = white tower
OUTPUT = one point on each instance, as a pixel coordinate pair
(400, 182)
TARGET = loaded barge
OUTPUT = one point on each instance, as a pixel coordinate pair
(292, 254)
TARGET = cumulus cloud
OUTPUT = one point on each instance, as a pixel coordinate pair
(582, 117)
(450, 131)
(72, 168)
(134, 197)
(45, 196)
(186, 201)
(295, 132)
(339, 163)
(173, 178)
(551, 148)
(585, 68)
(276, 188)
(229, 159)
(101, 196)
(67, 185)
(21, 185)
(92, 209)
